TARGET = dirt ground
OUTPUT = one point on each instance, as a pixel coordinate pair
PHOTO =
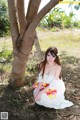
(20, 103)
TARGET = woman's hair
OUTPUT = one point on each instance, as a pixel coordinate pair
(53, 51)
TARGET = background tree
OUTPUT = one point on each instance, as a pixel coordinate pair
(23, 32)
(4, 20)
(58, 18)
(77, 7)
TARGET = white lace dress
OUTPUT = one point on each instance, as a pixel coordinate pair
(54, 96)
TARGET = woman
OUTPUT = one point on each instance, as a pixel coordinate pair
(49, 89)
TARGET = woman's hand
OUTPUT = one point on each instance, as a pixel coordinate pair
(35, 94)
(38, 97)
(38, 93)
(38, 89)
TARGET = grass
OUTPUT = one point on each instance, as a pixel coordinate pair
(64, 40)
(5, 43)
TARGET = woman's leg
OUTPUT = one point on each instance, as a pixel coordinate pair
(38, 97)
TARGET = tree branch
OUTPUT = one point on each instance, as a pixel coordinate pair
(35, 22)
(13, 21)
(42, 13)
(37, 46)
(22, 22)
(21, 16)
(29, 6)
(32, 9)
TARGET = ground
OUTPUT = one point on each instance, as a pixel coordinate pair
(19, 103)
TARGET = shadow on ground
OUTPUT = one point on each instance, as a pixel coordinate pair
(20, 103)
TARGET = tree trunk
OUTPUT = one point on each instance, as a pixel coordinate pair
(17, 78)
(18, 70)
(38, 48)
(20, 58)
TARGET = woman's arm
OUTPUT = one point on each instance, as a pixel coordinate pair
(58, 71)
(38, 96)
(38, 89)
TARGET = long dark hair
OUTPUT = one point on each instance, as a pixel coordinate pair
(53, 51)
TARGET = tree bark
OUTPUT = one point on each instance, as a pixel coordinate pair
(18, 71)
(21, 16)
(13, 22)
(38, 48)
(32, 9)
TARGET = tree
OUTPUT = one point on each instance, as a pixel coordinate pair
(23, 32)
(4, 20)
(54, 18)
(77, 7)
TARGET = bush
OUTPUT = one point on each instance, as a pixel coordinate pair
(5, 55)
(58, 18)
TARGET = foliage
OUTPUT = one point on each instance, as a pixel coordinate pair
(58, 18)
(4, 20)
(76, 24)
(77, 7)
(53, 18)
(31, 65)
(5, 55)
(68, 20)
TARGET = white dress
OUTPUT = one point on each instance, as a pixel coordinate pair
(54, 96)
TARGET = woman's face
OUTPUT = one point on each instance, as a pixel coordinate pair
(50, 58)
